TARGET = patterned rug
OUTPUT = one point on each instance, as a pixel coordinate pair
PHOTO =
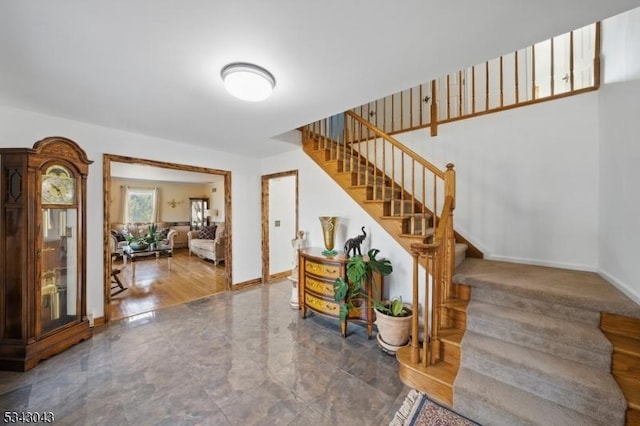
(418, 410)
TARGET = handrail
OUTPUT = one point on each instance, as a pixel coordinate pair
(397, 144)
(411, 187)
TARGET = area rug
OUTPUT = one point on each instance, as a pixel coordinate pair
(418, 410)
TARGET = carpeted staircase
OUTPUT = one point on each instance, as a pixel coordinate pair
(533, 352)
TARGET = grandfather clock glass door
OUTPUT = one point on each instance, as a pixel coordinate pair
(58, 250)
(59, 278)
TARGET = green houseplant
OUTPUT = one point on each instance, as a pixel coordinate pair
(359, 270)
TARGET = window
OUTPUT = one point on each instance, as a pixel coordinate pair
(140, 205)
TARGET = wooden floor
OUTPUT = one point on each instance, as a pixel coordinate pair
(155, 287)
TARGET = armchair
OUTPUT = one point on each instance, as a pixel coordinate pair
(208, 248)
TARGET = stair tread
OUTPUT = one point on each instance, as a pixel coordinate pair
(624, 344)
(442, 372)
(631, 389)
(457, 304)
(451, 335)
(578, 334)
(563, 373)
(508, 404)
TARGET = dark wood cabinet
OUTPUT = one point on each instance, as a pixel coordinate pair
(317, 273)
(43, 251)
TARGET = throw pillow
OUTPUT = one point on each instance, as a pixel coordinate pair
(163, 232)
(118, 235)
(207, 233)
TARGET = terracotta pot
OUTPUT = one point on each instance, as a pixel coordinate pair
(394, 331)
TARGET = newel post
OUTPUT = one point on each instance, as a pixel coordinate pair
(450, 184)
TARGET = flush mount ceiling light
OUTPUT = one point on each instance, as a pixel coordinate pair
(247, 81)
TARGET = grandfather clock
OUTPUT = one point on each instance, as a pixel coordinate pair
(42, 251)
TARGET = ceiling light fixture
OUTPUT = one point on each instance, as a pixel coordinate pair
(248, 82)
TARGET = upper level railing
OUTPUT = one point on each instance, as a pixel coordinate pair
(564, 65)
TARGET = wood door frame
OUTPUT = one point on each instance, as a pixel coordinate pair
(107, 159)
(266, 276)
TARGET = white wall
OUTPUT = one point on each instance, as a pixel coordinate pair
(319, 196)
(620, 154)
(22, 129)
(527, 180)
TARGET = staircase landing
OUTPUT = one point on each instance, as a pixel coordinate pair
(579, 289)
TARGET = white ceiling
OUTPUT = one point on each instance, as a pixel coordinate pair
(152, 66)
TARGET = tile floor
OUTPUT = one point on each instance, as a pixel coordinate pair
(240, 358)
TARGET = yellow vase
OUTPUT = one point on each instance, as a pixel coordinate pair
(328, 230)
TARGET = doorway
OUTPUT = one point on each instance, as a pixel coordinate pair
(148, 169)
(279, 223)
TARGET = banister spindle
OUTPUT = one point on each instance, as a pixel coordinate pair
(415, 331)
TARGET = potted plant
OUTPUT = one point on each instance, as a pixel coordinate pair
(393, 318)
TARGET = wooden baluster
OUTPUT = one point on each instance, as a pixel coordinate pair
(448, 100)
(486, 86)
(435, 300)
(517, 79)
(434, 218)
(460, 92)
(421, 110)
(552, 71)
(415, 331)
(473, 90)
(413, 196)
(427, 344)
(401, 111)
(434, 109)
(533, 72)
(402, 185)
(424, 201)
(501, 82)
(393, 178)
(393, 113)
(571, 42)
(384, 167)
(596, 59)
(411, 107)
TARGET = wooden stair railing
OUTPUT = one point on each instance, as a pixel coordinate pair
(410, 187)
(402, 190)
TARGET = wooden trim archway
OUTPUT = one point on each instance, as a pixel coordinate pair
(106, 186)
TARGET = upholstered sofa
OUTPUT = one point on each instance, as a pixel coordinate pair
(209, 243)
(119, 230)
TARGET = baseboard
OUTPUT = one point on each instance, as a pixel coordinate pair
(246, 284)
(99, 322)
(550, 264)
(624, 288)
(280, 275)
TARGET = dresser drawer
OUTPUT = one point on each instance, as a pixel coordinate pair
(321, 305)
(318, 286)
(322, 270)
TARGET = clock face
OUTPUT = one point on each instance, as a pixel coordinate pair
(58, 190)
